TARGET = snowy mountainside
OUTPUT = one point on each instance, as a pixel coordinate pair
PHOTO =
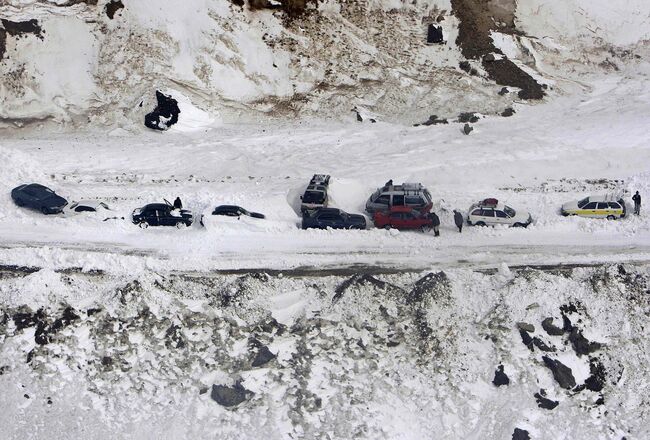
(240, 63)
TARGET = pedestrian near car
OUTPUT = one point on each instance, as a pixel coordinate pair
(637, 203)
(458, 219)
(178, 204)
(435, 220)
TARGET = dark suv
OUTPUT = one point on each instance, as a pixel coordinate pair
(333, 218)
(162, 214)
(39, 197)
(315, 195)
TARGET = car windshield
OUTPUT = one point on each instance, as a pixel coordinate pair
(313, 197)
(427, 195)
(583, 202)
(509, 211)
(74, 205)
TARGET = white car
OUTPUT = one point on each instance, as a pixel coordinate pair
(85, 206)
(491, 212)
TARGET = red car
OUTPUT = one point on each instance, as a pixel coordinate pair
(403, 217)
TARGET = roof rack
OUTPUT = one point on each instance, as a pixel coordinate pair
(488, 203)
(320, 179)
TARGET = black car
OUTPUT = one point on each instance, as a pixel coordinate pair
(235, 211)
(162, 214)
(38, 197)
(333, 218)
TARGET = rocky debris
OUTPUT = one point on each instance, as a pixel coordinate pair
(468, 117)
(520, 434)
(263, 356)
(503, 91)
(467, 129)
(598, 375)
(3, 43)
(164, 115)
(44, 329)
(544, 402)
(434, 34)
(550, 328)
(362, 281)
(527, 340)
(112, 7)
(500, 377)
(174, 337)
(433, 120)
(20, 28)
(542, 345)
(489, 58)
(230, 396)
(433, 285)
(582, 345)
(530, 328)
(467, 67)
(508, 112)
(561, 373)
(506, 73)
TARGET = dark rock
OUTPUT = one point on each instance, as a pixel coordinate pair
(434, 285)
(500, 378)
(596, 381)
(504, 91)
(230, 396)
(467, 129)
(434, 34)
(107, 361)
(359, 117)
(506, 73)
(174, 337)
(465, 66)
(112, 7)
(582, 345)
(530, 328)
(561, 373)
(468, 117)
(550, 328)
(4, 369)
(508, 112)
(542, 345)
(26, 396)
(567, 326)
(544, 402)
(392, 343)
(433, 120)
(527, 340)
(164, 115)
(3, 43)
(363, 280)
(20, 28)
(520, 434)
(25, 320)
(489, 58)
(263, 356)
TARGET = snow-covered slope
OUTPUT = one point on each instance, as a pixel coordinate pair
(239, 64)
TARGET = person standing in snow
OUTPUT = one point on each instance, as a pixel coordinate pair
(458, 219)
(637, 203)
(178, 204)
(436, 223)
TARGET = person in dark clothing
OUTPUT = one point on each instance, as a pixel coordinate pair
(458, 219)
(637, 203)
(388, 184)
(436, 223)
(178, 204)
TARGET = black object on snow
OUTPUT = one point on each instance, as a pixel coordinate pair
(433, 120)
(503, 91)
(263, 356)
(520, 434)
(582, 345)
(527, 340)
(178, 204)
(596, 381)
(500, 378)
(530, 328)
(434, 34)
(550, 328)
(468, 117)
(561, 373)
(230, 396)
(467, 129)
(542, 345)
(544, 402)
(164, 115)
(508, 112)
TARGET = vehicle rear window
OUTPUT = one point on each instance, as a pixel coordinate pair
(509, 211)
(614, 205)
(583, 202)
(383, 200)
(313, 197)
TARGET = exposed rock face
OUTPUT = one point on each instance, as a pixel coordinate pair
(550, 328)
(561, 373)
(164, 115)
(113, 7)
(582, 345)
(263, 356)
(544, 402)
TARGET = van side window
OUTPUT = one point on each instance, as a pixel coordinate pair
(501, 214)
(414, 200)
(383, 200)
(476, 212)
(488, 213)
(602, 205)
(398, 200)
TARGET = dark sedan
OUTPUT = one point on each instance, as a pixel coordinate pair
(38, 197)
(235, 211)
(333, 218)
(162, 214)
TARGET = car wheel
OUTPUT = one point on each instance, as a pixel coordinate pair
(181, 225)
(611, 217)
(143, 225)
(480, 224)
(517, 225)
(387, 227)
(44, 210)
